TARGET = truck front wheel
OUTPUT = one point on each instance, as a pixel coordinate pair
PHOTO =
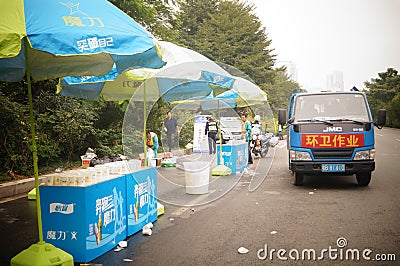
(363, 178)
(298, 179)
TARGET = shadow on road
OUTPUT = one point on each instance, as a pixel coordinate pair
(331, 182)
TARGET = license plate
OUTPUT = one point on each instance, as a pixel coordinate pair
(333, 168)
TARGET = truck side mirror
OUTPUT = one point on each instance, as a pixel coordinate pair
(381, 118)
(282, 116)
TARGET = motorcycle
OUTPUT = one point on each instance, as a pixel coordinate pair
(259, 145)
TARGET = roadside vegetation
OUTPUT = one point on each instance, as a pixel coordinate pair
(384, 93)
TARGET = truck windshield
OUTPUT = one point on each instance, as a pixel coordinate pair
(334, 106)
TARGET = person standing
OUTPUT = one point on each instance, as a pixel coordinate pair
(171, 128)
(246, 134)
(280, 132)
(152, 141)
(256, 128)
(211, 131)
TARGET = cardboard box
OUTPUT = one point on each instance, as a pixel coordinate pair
(85, 163)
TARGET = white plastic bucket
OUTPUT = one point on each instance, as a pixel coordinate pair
(197, 177)
(115, 168)
(133, 165)
(90, 176)
(57, 179)
(152, 162)
(50, 179)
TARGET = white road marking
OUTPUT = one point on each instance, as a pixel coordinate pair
(380, 135)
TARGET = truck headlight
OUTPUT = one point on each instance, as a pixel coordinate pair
(300, 155)
(364, 155)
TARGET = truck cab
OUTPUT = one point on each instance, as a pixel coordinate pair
(330, 133)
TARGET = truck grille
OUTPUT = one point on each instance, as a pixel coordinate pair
(332, 153)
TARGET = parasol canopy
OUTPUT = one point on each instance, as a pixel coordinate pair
(183, 66)
(59, 33)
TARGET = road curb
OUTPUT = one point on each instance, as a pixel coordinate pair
(18, 187)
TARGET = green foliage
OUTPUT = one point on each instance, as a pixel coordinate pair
(186, 124)
(63, 124)
(279, 91)
(394, 111)
(234, 36)
(15, 155)
(384, 93)
(65, 128)
(192, 15)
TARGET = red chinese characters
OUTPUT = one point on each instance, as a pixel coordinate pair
(332, 140)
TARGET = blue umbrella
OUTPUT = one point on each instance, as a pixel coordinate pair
(181, 64)
(243, 93)
(59, 33)
(49, 39)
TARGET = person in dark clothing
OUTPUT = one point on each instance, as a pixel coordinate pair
(211, 131)
(171, 128)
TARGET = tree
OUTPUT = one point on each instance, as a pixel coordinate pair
(234, 36)
(279, 90)
(62, 125)
(14, 141)
(384, 93)
(192, 14)
(394, 111)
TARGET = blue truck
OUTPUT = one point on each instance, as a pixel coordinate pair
(330, 133)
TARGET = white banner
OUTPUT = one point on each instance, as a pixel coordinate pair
(200, 140)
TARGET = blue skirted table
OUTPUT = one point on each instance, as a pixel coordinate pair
(235, 156)
(88, 221)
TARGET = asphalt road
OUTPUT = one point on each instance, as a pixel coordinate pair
(274, 220)
(332, 216)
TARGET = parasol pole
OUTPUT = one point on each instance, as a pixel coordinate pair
(221, 169)
(221, 162)
(144, 124)
(33, 147)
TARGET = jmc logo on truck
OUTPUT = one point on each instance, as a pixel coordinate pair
(333, 129)
(331, 133)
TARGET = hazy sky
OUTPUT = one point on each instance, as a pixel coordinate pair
(357, 37)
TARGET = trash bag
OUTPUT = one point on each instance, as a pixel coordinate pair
(90, 155)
